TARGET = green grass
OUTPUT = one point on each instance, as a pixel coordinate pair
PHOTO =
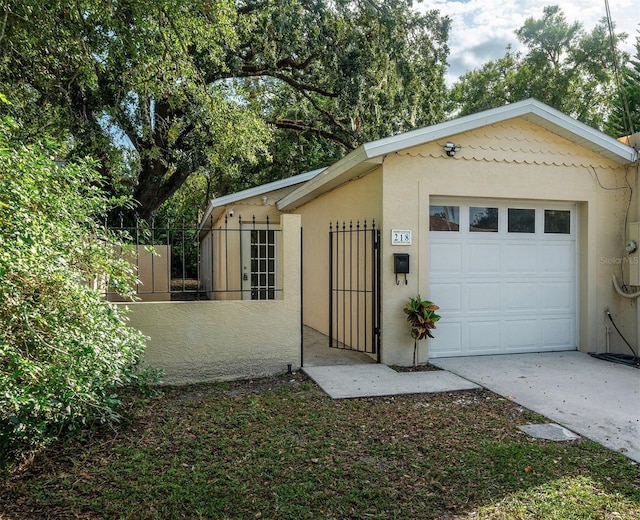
(280, 448)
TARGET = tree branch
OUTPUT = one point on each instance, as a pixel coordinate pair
(290, 63)
(250, 7)
(4, 23)
(328, 115)
(289, 124)
(254, 72)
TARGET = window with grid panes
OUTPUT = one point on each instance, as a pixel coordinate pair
(263, 264)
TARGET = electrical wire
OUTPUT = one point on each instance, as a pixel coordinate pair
(618, 331)
(626, 213)
(615, 188)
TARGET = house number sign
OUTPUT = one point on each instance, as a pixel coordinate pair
(400, 237)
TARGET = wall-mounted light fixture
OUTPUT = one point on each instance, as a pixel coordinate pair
(451, 148)
(264, 199)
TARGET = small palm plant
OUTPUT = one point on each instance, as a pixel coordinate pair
(422, 316)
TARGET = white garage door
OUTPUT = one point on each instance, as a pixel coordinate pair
(504, 274)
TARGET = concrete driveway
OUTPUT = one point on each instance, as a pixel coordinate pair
(596, 399)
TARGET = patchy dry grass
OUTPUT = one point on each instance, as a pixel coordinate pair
(280, 448)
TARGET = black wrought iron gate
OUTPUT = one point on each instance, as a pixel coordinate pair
(354, 287)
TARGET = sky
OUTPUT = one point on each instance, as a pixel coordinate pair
(482, 29)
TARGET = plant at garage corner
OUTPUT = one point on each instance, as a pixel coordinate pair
(421, 314)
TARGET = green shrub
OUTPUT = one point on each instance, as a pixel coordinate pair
(64, 351)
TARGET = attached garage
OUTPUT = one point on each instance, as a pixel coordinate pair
(512, 220)
(505, 275)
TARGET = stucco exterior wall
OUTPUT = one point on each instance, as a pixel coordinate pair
(512, 160)
(153, 271)
(223, 340)
(358, 200)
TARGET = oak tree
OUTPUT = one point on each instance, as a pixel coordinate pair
(162, 90)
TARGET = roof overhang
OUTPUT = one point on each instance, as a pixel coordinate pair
(217, 205)
(367, 156)
(356, 164)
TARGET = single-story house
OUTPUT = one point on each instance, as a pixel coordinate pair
(513, 221)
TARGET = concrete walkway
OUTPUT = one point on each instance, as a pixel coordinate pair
(596, 399)
(374, 380)
(345, 374)
(317, 352)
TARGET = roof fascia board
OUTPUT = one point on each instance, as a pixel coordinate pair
(258, 190)
(329, 175)
(598, 138)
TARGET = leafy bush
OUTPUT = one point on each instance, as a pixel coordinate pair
(64, 351)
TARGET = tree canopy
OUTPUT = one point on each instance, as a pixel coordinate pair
(563, 65)
(625, 116)
(161, 90)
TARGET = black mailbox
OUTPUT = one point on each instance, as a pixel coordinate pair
(401, 263)
(401, 266)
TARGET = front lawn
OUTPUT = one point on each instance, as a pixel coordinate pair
(280, 448)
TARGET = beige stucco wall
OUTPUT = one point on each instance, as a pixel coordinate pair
(222, 340)
(153, 264)
(358, 200)
(512, 160)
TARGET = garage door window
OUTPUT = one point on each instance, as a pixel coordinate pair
(521, 220)
(444, 218)
(483, 219)
(557, 221)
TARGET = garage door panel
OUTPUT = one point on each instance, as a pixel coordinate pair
(557, 332)
(519, 259)
(558, 296)
(486, 336)
(483, 259)
(506, 291)
(448, 296)
(522, 335)
(446, 259)
(483, 297)
(448, 339)
(520, 296)
(558, 259)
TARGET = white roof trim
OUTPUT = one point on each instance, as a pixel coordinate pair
(365, 157)
(528, 107)
(357, 157)
(259, 190)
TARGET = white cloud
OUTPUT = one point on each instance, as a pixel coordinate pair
(482, 29)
